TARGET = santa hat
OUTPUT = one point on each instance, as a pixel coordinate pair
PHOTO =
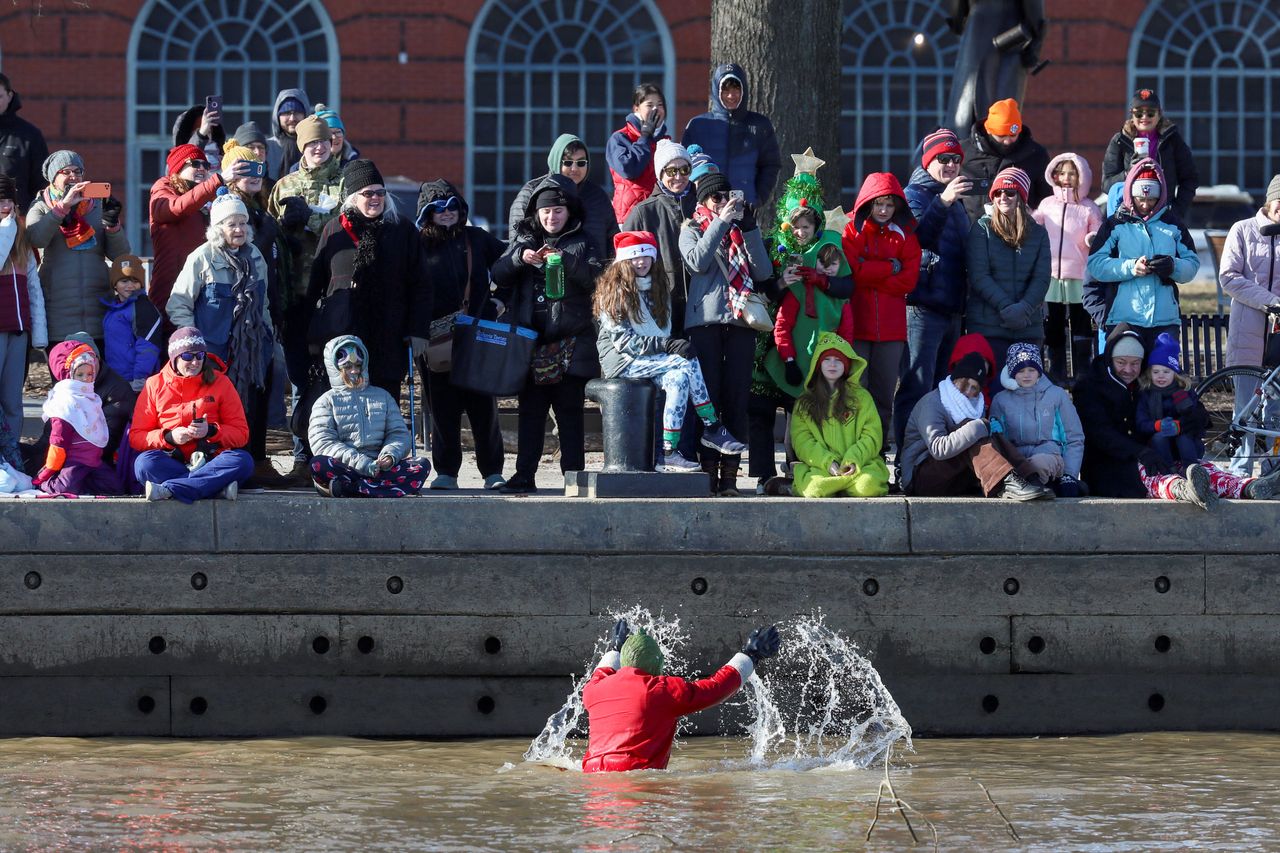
(1012, 178)
(179, 155)
(941, 141)
(634, 244)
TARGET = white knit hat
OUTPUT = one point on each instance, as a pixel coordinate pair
(224, 205)
(666, 152)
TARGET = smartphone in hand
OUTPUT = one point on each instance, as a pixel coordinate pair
(96, 190)
(213, 104)
(256, 169)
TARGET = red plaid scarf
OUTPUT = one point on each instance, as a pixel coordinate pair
(740, 284)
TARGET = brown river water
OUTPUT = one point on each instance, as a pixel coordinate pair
(1126, 792)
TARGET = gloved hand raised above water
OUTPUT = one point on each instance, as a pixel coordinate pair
(620, 633)
(763, 643)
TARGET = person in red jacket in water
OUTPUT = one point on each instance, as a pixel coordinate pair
(633, 708)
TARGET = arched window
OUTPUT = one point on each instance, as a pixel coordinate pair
(1216, 66)
(182, 51)
(897, 60)
(539, 68)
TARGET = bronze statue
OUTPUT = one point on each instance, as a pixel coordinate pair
(999, 46)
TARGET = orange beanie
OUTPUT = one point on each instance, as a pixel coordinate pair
(1003, 119)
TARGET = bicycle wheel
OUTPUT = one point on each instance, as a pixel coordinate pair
(1223, 441)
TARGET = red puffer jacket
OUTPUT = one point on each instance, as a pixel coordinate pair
(169, 400)
(178, 225)
(879, 294)
(633, 714)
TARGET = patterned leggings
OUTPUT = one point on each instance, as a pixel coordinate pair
(397, 482)
(680, 378)
(1223, 483)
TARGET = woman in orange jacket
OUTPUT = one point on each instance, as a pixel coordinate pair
(189, 427)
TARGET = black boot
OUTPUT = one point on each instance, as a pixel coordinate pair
(712, 466)
(1058, 363)
(729, 477)
(1081, 356)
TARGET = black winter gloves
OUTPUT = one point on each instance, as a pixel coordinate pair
(111, 208)
(763, 643)
(620, 634)
(296, 213)
(794, 376)
(748, 220)
(680, 347)
(1161, 265)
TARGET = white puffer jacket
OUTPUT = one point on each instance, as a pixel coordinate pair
(356, 426)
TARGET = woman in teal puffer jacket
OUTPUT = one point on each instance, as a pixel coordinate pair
(357, 433)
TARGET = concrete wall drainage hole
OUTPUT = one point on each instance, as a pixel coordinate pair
(492, 645)
(1163, 644)
(199, 705)
(146, 704)
(365, 645)
(1035, 645)
(1162, 584)
(990, 703)
(1155, 702)
(699, 586)
(157, 645)
(320, 645)
(485, 705)
(317, 705)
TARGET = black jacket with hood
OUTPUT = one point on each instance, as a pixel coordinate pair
(741, 143)
(1179, 167)
(446, 261)
(1108, 412)
(22, 153)
(186, 130)
(282, 148)
(983, 161)
(522, 288)
(598, 219)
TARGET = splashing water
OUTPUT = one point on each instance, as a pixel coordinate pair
(819, 703)
(553, 744)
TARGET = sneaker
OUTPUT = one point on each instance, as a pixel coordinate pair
(443, 482)
(157, 491)
(674, 463)
(1195, 488)
(760, 484)
(1264, 488)
(196, 462)
(1018, 489)
(519, 485)
(231, 492)
(718, 438)
(494, 482)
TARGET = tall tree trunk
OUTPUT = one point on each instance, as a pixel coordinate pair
(790, 50)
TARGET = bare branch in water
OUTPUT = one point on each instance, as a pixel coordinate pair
(903, 807)
(1007, 825)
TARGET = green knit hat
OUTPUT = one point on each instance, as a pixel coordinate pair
(641, 651)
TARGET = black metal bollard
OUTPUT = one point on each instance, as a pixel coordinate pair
(627, 419)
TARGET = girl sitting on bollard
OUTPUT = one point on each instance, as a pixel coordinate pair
(633, 311)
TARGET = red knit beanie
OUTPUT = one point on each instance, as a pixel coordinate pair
(941, 141)
(178, 157)
(832, 351)
(1012, 178)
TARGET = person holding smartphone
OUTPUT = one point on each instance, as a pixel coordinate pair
(76, 238)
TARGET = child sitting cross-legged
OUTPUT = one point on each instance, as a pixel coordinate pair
(73, 465)
(835, 429)
(1039, 420)
(633, 312)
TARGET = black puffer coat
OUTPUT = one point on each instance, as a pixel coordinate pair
(522, 288)
(983, 160)
(1108, 411)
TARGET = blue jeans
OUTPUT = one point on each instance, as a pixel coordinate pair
(229, 466)
(931, 336)
(1183, 448)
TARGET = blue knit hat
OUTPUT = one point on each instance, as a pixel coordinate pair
(1165, 353)
(701, 163)
(1023, 355)
(330, 117)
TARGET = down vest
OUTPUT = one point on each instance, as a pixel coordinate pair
(356, 425)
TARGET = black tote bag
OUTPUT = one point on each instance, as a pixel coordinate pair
(489, 357)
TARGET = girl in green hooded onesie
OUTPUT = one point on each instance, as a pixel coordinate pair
(835, 430)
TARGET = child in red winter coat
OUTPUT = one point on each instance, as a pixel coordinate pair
(881, 246)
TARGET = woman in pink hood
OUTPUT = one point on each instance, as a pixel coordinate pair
(1071, 218)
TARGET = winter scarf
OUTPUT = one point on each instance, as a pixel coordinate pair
(739, 271)
(75, 403)
(245, 362)
(958, 406)
(364, 232)
(77, 232)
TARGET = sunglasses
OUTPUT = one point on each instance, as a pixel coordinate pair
(672, 171)
(440, 205)
(197, 164)
(349, 357)
(948, 159)
(574, 164)
(372, 193)
(1145, 113)
(191, 356)
(1005, 193)
(719, 198)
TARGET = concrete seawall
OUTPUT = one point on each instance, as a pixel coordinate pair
(465, 616)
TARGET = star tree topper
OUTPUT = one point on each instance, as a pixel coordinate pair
(837, 219)
(807, 163)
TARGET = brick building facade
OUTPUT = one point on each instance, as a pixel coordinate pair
(474, 89)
